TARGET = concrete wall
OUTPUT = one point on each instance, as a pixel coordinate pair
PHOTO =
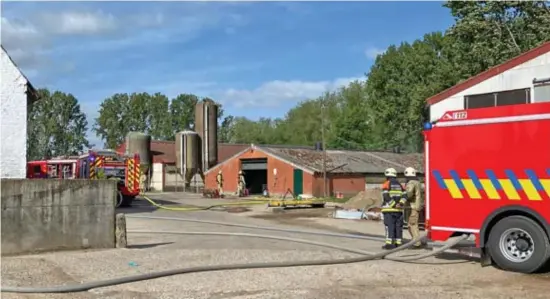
(518, 77)
(13, 120)
(43, 215)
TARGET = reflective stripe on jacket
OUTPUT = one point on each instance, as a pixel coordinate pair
(393, 193)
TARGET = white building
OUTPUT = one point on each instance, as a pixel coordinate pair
(17, 94)
(523, 79)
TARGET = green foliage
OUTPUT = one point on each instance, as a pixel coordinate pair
(56, 126)
(153, 114)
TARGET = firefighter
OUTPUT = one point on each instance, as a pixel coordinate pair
(394, 198)
(219, 181)
(241, 184)
(414, 197)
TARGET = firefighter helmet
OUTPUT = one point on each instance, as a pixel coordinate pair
(390, 172)
(240, 172)
(220, 172)
(410, 172)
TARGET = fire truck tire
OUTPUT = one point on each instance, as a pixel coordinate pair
(519, 244)
(127, 201)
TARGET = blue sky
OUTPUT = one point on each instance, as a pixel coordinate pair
(257, 59)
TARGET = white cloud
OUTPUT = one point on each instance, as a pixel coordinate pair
(372, 52)
(77, 22)
(278, 92)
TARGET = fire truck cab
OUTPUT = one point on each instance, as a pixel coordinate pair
(488, 174)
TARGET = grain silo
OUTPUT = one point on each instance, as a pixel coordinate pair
(206, 125)
(139, 143)
(188, 155)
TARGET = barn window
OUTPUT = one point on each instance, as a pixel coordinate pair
(501, 98)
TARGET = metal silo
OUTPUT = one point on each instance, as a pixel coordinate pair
(188, 155)
(206, 125)
(140, 143)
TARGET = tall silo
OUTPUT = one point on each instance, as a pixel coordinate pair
(188, 155)
(140, 143)
(206, 125)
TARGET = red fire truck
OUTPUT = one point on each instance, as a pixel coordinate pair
(56, 168)
(108, 164)
(488, 174)
(96, 164)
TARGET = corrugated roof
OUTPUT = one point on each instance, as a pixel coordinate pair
(345, 161)
(494, 71)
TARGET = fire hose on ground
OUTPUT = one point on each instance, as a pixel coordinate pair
(366, 256)
(193, 209)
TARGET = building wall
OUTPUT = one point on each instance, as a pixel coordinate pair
(157, 178)
(516, 78)
(348, 185)
(277, 185)
(13, 120)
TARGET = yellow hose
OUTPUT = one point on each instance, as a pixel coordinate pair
(190, 209)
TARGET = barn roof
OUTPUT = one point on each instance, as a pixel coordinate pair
(491, 72)
(347, 161)
(338, 161)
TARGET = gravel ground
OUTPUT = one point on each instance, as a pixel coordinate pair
(148, 253)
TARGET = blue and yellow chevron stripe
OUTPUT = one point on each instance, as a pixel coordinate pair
(530, 186)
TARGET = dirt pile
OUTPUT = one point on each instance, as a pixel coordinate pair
(365, 199)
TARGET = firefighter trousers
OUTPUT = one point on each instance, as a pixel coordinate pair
(412, 223)
(393, 221)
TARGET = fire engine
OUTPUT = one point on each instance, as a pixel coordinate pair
(96, 164)
(488, 174)
(57, 168)
(108, 164)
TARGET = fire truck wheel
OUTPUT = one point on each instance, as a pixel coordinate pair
(519, 244)
(127, 201)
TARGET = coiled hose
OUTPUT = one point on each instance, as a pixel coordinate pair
(140, 277)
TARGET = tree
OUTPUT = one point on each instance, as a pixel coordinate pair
(182, 113)
(487, 33)
(225, 133)
(56, 126)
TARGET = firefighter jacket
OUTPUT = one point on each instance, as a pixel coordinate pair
(394, 196)
(219, 179)
(241, 179)
(414, 194)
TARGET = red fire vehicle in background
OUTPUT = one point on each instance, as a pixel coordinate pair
(488, 174)
(57, 168)
(109, 164)
(96, 164)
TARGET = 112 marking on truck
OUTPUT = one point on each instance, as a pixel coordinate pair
(488, 174)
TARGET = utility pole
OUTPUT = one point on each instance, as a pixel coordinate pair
(324, 147)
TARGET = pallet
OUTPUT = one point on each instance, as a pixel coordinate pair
(296, 203)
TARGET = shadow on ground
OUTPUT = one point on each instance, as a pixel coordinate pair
(150, 245)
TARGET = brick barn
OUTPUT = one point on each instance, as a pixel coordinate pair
(300, 170)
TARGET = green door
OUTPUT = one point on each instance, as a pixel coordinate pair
(298, 182)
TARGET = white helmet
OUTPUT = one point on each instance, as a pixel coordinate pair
(410, 172)
(390, 172)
